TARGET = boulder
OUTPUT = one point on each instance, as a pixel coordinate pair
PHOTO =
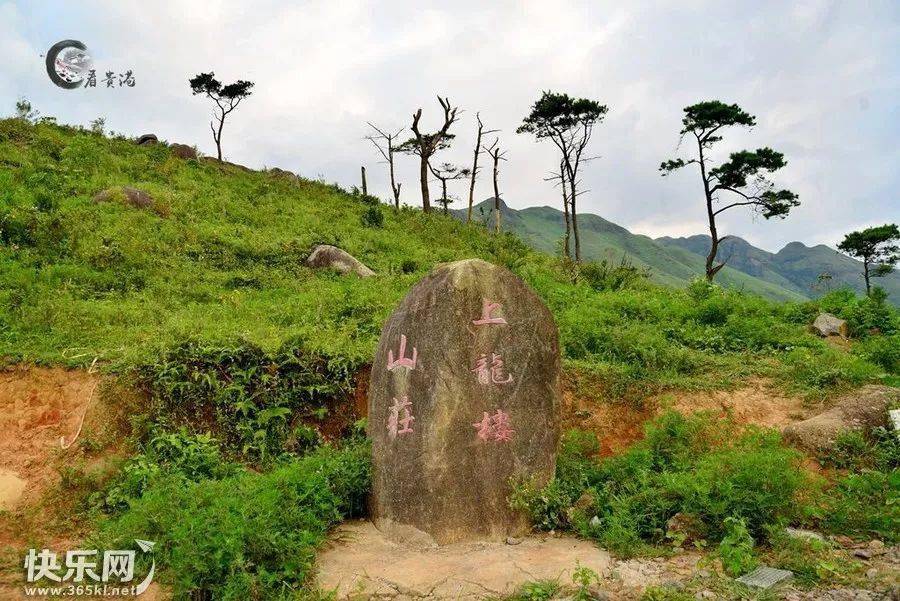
(183, 151)
(463, 401)
(327, 256)
(827, 324)
(147, 139)
(860, 410)
(127, 195)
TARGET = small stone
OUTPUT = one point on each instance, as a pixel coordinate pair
(704, 573)
(876, 546)
(843, 541)
(862, 554)
(147, 139)
(595, 522)
(872, 573)
(512, 540)
(705, 595)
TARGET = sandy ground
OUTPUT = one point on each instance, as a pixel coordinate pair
(360, 563)
(39, 407)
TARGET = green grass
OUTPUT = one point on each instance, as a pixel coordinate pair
(219, 262)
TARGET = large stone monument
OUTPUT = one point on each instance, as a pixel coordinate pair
(464, 400)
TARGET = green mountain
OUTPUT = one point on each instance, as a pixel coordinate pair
(795, 267)
(790, 274)
(543, 228)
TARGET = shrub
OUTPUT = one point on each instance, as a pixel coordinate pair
(252, 396)
(736, 548)
(883, 351)
(248, 536)
(372, 217)
(864, 505)
(692, 465)
(604, 275)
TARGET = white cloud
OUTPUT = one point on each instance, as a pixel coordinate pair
(822, 77)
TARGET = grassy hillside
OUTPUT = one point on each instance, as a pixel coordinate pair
(202, 301)
(218, 260)
(543, 228)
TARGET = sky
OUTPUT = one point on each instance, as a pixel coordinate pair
(822, 78)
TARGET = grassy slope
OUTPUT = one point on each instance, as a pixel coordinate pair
(543, 227)
(221, 258)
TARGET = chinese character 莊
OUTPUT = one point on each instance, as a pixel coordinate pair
(397, 424)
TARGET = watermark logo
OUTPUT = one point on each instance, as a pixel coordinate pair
(83, 573)
(70, 65)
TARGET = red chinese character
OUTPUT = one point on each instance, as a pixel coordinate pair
(487, 309)
(492, 374)
(494, 427)
(396, 424)
(402, 360)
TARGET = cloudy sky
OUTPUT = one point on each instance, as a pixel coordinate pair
(823, 78)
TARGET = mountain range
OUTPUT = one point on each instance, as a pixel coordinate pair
(793, 273)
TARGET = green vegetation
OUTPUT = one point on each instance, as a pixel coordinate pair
(720, 484)
(244, 536)
(203, 301)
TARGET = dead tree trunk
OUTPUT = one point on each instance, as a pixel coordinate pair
(365, 190)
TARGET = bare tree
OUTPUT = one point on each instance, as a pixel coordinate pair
(561, 177)
(474, 170)
(447, 172)
(495, 153)
(424, 145)
(384, 142)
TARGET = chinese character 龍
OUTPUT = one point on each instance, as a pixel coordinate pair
(492, 374)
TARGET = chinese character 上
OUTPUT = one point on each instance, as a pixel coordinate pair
(402, 360)
(487, 310)
(400, 425)
(492, 374)
(118, 563)
(41, 565)
(494, 427)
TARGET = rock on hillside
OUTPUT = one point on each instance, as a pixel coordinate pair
(859, 410)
